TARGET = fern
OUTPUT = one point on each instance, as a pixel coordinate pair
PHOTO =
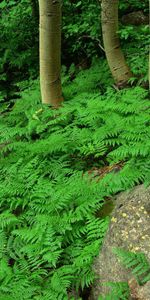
(140, 268)
(137, 261)
(119, 290)
(49, 230)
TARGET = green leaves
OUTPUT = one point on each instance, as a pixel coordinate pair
(137, 262)
(126, 32)
(3, 4)
(119, 290)
(50, 233)
(78, 3)
(80, 18)
(8, 220)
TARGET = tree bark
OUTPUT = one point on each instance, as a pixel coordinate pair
(50, 52)
(116, 61)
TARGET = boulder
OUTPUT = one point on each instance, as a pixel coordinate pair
(129, 229)
(135, 18)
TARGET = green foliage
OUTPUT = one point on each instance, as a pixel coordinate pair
(135, 261)
(137, 59)
(81, 39)
(81, 24)
(119, 290)
(49, 230)
(18, 35)
(131, 5)
(19, 46)
(82, 32)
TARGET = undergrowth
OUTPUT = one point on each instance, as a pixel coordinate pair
(49, 231)
(135, 261)
(140, 268)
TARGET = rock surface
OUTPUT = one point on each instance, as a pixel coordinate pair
(130, 230)
(135, 18)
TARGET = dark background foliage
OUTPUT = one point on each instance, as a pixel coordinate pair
(81, 39)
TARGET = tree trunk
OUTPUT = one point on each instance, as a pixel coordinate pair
(50, 52)
(109, 18)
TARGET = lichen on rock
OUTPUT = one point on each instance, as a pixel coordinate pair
(130, 230)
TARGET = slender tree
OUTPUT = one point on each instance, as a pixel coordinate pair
(109, 18)
(50, 52)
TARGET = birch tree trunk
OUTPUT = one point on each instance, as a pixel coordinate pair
(50, 52)
(116, 61)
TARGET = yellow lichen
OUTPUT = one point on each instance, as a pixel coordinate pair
(124, 215)
(113, 219)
